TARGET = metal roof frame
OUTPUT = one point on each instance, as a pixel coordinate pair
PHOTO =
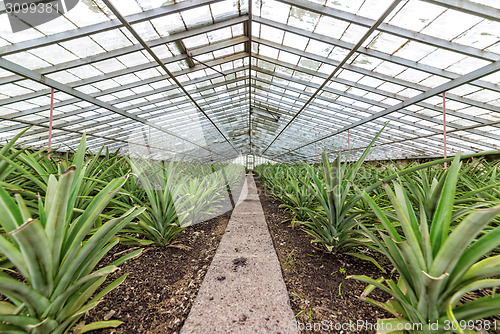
(314, 104)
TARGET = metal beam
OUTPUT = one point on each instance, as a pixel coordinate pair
(249, 47)
(162, 65)
(210, 87)
(334, 118)
(27, 123)
(134, 69)
(483, 71)
(140, 113)
(32, 75)
(376, 54)
(415, 138)
(136, 48)
(131, 85)
(326, 126)
(376, 91)
(393, 30)
(103, 26)
(469, 7)
(339, 66)
(145, 111)
(119, 130)
(377, 75)
(350, 114)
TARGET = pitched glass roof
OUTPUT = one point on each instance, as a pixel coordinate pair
(280, 79)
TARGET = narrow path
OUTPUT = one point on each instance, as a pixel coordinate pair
(243, 290)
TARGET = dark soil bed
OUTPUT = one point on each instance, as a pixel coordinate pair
(319, 291)
(162, 283)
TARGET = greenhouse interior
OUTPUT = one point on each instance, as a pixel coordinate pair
(249, 166)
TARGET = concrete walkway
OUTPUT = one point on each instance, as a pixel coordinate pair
(243, 290)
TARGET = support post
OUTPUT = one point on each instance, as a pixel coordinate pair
(316, 153)
(149, 143)
(444, 129)
(51, 118)
(348, 146)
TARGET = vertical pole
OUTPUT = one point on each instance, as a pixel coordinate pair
(316, 152)
(51, 117)
(444, 129)
(348, 146)
(149, 143)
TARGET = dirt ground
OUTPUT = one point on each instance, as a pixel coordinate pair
(162, 283)
(316, 281)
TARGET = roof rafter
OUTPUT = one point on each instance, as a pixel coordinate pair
(377, 54)
(386, 94)
(353, 115)
(135, 48)
(32, 75)
(103, 26)
(393, 30)
(483, 71)
(469, 7)
(367, 34)
(162, 65)
(372, 74)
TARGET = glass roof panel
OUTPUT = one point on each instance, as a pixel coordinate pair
(294, 52)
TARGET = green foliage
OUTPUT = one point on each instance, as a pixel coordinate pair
(436, 267)
(287, 184)
(333, 228)
(161, 222)
(54, 256)
(175, 196)
(425, 187)
(57, 229)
